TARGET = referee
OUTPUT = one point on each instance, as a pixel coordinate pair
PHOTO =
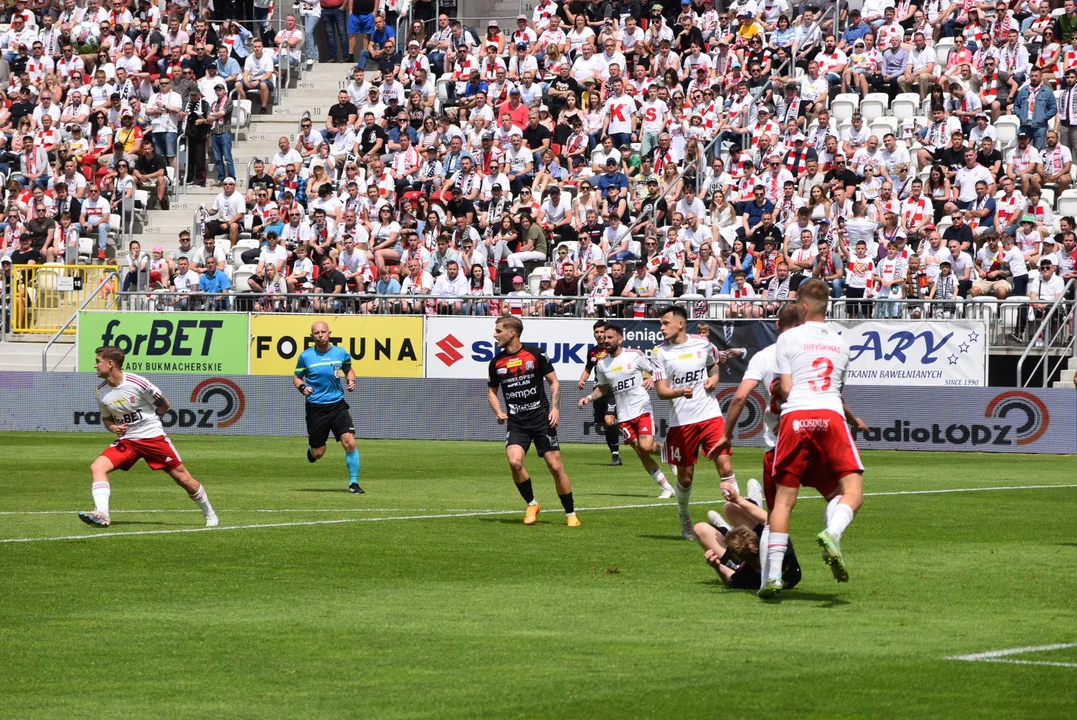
(317, 378)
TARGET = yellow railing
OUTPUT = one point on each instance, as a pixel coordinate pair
(45, 296)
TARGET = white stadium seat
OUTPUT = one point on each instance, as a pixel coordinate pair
(844, 106)
(880, 126)
(1006, 127)
(905, 105)
(874, 105)
(1067, 203)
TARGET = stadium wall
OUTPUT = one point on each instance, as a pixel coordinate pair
(912, 418)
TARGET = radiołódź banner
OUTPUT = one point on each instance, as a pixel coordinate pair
(917, 418)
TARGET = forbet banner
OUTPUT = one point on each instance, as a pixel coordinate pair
(379, 346)
(917, 353)
(187, 343)
(462, 347)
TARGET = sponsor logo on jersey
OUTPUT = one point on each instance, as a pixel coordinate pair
(514, 363)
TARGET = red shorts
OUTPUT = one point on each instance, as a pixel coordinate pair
(632, 429)
(685, 442)
(159, 453)
(815, 449)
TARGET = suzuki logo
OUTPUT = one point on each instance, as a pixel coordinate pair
(450, 348)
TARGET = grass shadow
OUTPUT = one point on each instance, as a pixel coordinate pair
(828, 600)
(1066, 544)
(663, 537)
(624, 495)
(321, 490)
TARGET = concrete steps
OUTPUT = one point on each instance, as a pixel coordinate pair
(1066, 379)
(26, 356)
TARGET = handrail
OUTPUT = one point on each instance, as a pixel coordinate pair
(182, 159)
(250, 171)
(1040, 334)
(284, 75)
(66, 325)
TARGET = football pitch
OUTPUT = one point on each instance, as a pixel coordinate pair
(427, 597)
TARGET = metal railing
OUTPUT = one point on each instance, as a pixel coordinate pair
(111, 278)
(45, 297)
(1063, 317)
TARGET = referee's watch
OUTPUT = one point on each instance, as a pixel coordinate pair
(301, 388)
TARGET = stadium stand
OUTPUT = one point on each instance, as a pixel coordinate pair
(720, 156)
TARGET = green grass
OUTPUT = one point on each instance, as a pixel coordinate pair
(482, 617)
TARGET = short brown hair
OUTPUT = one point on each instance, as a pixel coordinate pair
(814, 295)
(742, 542)
(512, 323)
(788, 317)
(108, 352)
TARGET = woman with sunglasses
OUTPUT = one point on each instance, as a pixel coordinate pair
(479, 286)
(385, 238)
(526, 203)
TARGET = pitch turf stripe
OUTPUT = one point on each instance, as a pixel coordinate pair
(455, 511)
(1003, 656)
(479, 513)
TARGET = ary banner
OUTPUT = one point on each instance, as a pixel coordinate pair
(190, 343)
(917, 353)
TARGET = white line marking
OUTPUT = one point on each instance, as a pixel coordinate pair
(482, 513)
(196, 510)
(1002, 656)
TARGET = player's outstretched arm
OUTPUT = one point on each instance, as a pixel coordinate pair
(555, 399)
(852, 419)
(594, 395)
(495, 405)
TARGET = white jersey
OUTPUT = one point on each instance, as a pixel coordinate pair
(817, 358)
(763, 369)
(131, 403)
(688, 364)
(624, 376)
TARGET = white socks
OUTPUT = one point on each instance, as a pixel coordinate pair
(732, 479)
(100, 492)
(684, 494)
(776, 545)
(660, 479)
(202, 501)
(764, 556)
(840, 517)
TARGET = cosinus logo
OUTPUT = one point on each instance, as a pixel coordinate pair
(450, 350)
(234, 402)
(1036, 417)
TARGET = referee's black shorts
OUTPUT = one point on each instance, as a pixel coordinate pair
(323, 419)
(545, 439)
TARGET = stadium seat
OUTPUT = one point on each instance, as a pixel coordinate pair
(535, 277)
(240, 276)
(1067, 202)
(844, 106)
(719, 306)
(942, 50)
(241, 246)
(1009, 310)
(882, 125)
(905, 105)
(1047, 194)
(943, 224)
(874, 105)
(1006, 127)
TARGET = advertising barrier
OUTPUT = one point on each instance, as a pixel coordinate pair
(380, 346)
(915, 419)
(917, 353)
(194, 343)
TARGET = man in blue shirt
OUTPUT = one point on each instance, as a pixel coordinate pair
(376, 49)
(215, 284)
(613, 177)
(317, 377)
(856, 31)
(1037, 98)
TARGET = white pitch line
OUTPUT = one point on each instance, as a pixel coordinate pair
(481, 513)
(1003, 656)
(479, 510)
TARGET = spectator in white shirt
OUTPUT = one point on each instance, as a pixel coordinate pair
(258, 74)
(452, 283)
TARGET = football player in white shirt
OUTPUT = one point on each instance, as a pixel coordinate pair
(131, 409)
(815, 448)
(686, 374)
(621, 374)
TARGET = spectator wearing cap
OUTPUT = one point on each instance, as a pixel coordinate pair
(611, 177)
(228, 209)
(1024, 162)
(855, 30)
(1035, 106)
(220, 117)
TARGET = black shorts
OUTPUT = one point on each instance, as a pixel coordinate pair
(604, 406)
(748, 578)
(323, 419)
(545, 439)
(216, 227)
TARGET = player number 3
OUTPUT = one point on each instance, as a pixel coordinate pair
(825, 367)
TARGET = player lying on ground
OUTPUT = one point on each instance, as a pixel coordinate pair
(317, 378)
(603, 406)
(815, 447)
(620, 373)
(686, 374)
(131, 409)
(731, 544)
(519, 370)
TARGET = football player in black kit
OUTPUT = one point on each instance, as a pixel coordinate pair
(605, 410)
(521, 371)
